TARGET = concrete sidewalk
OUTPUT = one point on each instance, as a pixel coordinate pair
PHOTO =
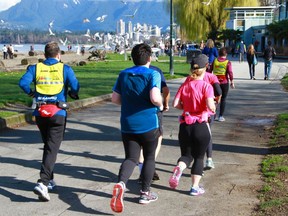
(89, 159)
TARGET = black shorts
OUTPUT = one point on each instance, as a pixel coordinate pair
(160, 118)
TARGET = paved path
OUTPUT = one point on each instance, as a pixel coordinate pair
(89, 160)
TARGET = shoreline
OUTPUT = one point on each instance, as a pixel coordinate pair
(10, 65)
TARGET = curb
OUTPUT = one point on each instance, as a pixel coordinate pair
(20, 119)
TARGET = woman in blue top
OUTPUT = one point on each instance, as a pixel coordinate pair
(211, 51)
(138, 91)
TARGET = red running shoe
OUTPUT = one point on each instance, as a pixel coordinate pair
(116, 202)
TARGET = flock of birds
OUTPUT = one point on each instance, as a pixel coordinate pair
(108, 40)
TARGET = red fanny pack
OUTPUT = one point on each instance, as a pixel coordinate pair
(48, 110)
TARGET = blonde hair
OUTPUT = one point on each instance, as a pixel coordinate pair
(251, 49)
(195, 73)
(210, 43)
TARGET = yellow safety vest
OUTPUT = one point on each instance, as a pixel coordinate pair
(49, 78)
(219, 69)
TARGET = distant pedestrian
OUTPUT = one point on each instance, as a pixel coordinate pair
(211, 51)
(269, 55)
(52, 80)
(252, 60)
(183, 49)
(138, 91)
(82, 50)
(202, 45)
(31, 48)
(5, 53)
(233, 49)
(10, 50)
(179, 48)
(241, 51)
(222, 68)
(167, 48)
(196, 99)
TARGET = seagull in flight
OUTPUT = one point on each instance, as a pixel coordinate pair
(86, 20)
(87, 33)
(50, 25)
(101, 18)
(124, 2)
(63, 42)
(133, 15)
(207, 3)
(50, 32)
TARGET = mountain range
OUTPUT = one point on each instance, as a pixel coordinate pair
(80, 15)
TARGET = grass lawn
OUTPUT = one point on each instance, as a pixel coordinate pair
(95, 78)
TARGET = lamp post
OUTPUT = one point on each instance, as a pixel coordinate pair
(171, 38)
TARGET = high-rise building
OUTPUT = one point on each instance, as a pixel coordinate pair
(157, 31)
(130, 29)
(120, 27)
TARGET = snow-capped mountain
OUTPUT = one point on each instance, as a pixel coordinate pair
(79, 15)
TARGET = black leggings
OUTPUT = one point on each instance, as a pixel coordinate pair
(52, 133)
(251, 70)
(225, 89)
(132, 145)
(194, 140)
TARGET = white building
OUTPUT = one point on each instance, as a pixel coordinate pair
(157, 31)
(120, 27)
(252, 21)
(130, 29)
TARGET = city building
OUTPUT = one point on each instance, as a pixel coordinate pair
(252, 21)
(120, 27)
(130, 29)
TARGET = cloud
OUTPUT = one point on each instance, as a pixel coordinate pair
(4, 5)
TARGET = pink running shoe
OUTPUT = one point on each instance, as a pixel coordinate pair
(116, 203)
(174, 179)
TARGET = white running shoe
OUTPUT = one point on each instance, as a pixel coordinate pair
(196, 191)
(42, 191)
(209, 164)
(221, 119)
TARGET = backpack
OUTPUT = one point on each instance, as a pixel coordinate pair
(269, 53)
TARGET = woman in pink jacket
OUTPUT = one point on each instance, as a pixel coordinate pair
(196, 99)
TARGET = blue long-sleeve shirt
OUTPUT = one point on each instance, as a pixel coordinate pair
(70, 81)
(212, 53)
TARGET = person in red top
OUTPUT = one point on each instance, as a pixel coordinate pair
(196, 99)
(222, 68)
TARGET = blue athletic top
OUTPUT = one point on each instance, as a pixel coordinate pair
(163, 80)
(138, 114)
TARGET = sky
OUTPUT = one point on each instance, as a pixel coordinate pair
(5, 4)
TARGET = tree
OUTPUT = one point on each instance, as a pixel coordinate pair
(197, 18)
(278, 30)
(267, 2)
(230, 35)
